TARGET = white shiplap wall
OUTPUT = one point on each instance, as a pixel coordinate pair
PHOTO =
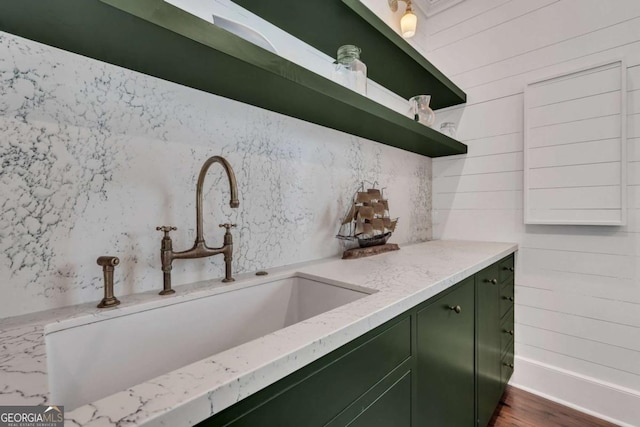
(577, 287)
(576, 178)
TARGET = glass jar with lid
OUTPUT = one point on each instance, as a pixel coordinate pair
(349, 70)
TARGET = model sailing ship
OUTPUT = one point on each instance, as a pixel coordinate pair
(367, 221)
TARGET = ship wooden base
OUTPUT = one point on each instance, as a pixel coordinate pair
(371, 250)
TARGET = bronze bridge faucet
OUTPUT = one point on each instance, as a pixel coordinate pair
(200, 248)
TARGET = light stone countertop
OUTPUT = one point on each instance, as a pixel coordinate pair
(193, 393)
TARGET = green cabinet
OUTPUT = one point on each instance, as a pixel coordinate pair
(488, 340)
(445, 359)
(443, 363)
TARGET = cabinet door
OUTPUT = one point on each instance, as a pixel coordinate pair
(445, 352)
(488, 339)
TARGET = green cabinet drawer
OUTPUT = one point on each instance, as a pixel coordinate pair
(506, 331)
(506, 297)
(392, 408)
(507, 268)
(318, 393)
(490, 276)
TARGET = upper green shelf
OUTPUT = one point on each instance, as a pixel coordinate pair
(158, 39)
(391, 61)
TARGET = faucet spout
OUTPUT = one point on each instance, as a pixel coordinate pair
(200, 248)
(233, 189)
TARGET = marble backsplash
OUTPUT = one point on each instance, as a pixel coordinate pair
(94, 157)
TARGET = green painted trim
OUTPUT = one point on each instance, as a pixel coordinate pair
(158, 39)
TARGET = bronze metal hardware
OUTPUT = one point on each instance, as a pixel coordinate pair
(508, 332)
(261, 273)
(457, 309)
(200, 248)
(492, 281)
(511, 269)
(510, 365)
(108, 264)
(508, 298)
(511, 332)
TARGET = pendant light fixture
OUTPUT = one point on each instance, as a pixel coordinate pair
(409, 20)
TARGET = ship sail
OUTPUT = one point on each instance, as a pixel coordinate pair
(378, 208)
(374, 194)
(367, 218)
(350, 215)
(366, 212)
(378, 225)
(363, 197)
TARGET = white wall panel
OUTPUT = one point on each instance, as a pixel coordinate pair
(582, 153)
(452, 18)
(589, 175)
(548, 173)
(507, 162)
(618, 312)
(622, 336)
(600, 81)
(511, 10)
(509, 75)
(577, 287)
(569, 133)
(591, 351)
(580, 366)
(549, 25)
(498, 181)
(483, 201)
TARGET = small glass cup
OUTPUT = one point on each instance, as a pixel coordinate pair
(421, 111)
(449, 129)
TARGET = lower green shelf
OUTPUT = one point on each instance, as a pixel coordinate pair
(158, 39)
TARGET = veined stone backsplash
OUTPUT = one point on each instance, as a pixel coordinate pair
(94, 157)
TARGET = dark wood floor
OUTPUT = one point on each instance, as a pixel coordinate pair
(521, 409)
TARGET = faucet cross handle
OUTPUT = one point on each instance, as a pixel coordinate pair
(166, 229)
(228, 226)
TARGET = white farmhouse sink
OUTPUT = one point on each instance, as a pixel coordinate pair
(94, 360)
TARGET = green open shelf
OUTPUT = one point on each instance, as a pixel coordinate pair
(158, 39)
(391, 61)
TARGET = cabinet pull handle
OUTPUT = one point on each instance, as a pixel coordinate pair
(509, 332)
(457, 308)
(508, 298)
(510, 365)
(492, 281)
(511, 269)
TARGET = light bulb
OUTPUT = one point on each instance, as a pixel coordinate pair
(408, 24)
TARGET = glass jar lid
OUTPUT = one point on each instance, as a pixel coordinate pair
(348, 53)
